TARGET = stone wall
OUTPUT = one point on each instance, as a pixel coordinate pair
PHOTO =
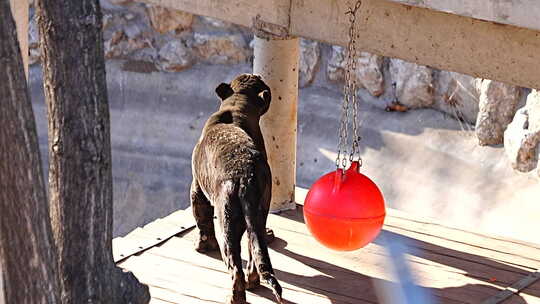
(151, 38)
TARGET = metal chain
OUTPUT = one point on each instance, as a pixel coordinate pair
(349, 98)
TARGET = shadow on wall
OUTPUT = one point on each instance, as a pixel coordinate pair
(156, 119)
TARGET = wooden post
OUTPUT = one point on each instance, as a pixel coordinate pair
(276, 60)
(19, 9)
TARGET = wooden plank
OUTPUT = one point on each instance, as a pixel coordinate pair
(303, 279)
(188, 281)
(152, 234)
(455, 265)
(206, 284)
(529, 295)
(444, 241)
(524, 256)
(159, 301)
(163, 295)
(522, 299)
(521, 257)
(124, 248)
(292, 264)
(496, 241)
(423, 224)
(469, 265)
(533, 290)
(435, 273)
(515, 288)
(468, 261)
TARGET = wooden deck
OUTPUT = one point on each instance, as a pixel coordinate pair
(456, 266)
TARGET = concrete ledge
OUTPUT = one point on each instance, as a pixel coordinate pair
(446, 41)
(241, 12)
(450, 42)
(522, 13)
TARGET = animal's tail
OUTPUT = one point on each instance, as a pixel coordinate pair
(250, 200)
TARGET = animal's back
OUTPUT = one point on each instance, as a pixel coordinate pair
(225, 151)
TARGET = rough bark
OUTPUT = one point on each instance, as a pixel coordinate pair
(28, 267)
(80, 178)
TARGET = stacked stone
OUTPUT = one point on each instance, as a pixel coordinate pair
(522, 137)
(172, 41)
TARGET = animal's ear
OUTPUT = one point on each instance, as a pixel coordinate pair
(266, 97)
(224, 91)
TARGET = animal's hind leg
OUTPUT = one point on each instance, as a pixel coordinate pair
(253, 278)
(233, 226)
(204, 217)
(260, 266)
(261, 260)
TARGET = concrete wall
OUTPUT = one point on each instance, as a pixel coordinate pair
(157, 118)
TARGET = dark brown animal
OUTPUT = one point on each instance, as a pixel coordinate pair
(231, 177)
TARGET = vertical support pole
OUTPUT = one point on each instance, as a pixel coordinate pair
(19, 9)
(276, 60)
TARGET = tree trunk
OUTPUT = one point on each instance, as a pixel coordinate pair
(28, 265)
(80, 178)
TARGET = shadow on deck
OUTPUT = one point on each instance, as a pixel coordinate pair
(453, 265)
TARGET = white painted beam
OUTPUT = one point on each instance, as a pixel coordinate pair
(240, 12)
(446, 41)
(522, 13)
(450, 42)
(276, 60)
(19, 9)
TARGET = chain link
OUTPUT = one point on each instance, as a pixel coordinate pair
(349, 98)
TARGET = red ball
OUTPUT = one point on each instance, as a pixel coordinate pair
(344, 210)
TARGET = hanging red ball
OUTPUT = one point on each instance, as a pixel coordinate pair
(344, 210)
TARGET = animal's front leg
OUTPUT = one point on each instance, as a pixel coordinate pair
(204, 217)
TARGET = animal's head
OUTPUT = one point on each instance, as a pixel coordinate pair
(252, 86)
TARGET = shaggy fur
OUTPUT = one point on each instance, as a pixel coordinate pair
(231, 177)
